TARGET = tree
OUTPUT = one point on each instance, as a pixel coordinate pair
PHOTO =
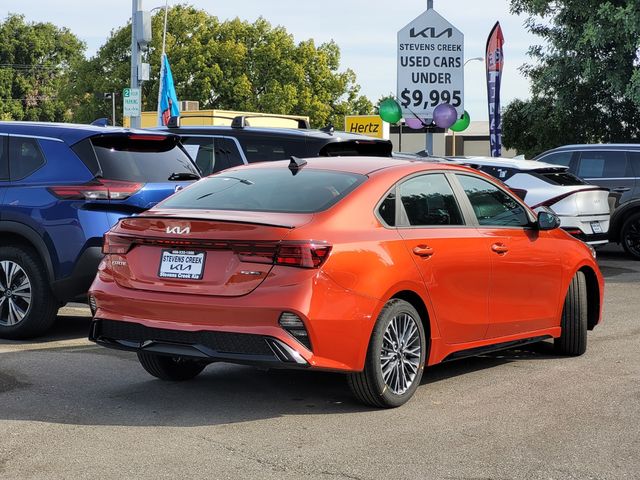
(233, 65)
(585, 83)
(34, 62)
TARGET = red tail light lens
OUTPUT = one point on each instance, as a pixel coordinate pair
(115, 244)
(97, 190)
(303, 255)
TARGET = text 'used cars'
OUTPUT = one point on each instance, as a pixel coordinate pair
(369, 266)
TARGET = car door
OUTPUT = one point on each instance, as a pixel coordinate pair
(449, 253)
(526, 273)
(609, 169)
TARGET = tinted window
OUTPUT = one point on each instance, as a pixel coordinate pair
(139, 160)
(604, 165)
(560, 178)
(262, 149)
(387, 209)
(25, 157)
(634, 160)
(558, 158)
(268, 190)
(369, 148)
(213, 154)
(492, 206)
(4, 158)
(428, 200)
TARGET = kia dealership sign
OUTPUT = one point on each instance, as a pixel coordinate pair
(430, 66)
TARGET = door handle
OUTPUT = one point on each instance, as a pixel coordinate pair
(621, 189)
(499, 248)
(423, 251)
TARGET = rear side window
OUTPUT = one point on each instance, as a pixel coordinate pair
(367, 148)
(492, 206)
(428, 200)
(4, 158)
(140, 158)
(387, 209)
(263, 149)
(25, 157)
(268, 190)
(213, 154)
(604, 165)
(558, 158)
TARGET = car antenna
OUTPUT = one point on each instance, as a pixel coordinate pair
(296, 164)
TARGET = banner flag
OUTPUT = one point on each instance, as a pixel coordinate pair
(168, 100)
(495, 63)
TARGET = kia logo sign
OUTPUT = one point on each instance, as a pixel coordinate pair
(430, 32)
(179, 231)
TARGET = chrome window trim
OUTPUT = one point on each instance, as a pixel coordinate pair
(38, 137)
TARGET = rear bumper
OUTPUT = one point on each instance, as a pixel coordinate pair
(581, 228)
(259, 350)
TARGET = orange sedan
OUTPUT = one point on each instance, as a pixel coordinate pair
(373, 267)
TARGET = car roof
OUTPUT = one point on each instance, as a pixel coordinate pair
(596, 146)
(364, 165)
(524, 165)
(70, 133)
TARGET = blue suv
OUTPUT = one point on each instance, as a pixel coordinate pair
(62, 187)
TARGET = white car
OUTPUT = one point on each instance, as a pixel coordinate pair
(583, 208)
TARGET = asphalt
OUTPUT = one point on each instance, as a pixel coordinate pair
(70, 409)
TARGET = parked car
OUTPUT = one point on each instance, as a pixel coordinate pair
(216, 148)
(616, 167)
(62, 187)
(373, 267)
(583, 209)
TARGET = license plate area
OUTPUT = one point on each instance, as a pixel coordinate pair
(596, 227)
(182, 264)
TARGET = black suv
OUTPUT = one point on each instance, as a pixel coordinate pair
(216, 148)
(613, 166)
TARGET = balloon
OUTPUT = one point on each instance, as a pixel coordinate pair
(462, 123)
(390, 111)
(445, 115)
(414, 123)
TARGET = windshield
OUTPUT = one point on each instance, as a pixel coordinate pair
(268, 190)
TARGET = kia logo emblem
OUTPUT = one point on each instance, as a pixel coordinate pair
(179, 231)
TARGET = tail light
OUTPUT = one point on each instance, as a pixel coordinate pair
(97, 190)
(303, 255)
(116, 244)
(554, 200)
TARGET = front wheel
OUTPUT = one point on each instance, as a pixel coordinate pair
(630, 236)
(170, 368)
(573, 339)
(395, 358)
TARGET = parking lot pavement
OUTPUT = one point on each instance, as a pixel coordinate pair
(70, 409)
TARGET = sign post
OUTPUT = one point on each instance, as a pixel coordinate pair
(430, 66)
(131, 102)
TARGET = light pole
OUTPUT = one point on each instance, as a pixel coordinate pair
(453, 133)
(474, 59)
(136, 56)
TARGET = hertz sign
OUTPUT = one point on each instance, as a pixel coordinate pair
(370, 125)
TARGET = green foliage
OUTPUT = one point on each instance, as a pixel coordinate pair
(233, 65)
(35, 59)
(586, 82)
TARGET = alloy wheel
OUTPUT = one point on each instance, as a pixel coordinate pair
(400, 354)
(632, 238)
(15, 293)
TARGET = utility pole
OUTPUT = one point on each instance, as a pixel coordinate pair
(136, 55)
(429, 139)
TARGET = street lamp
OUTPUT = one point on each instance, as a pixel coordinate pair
(453, 133)
(474, 59)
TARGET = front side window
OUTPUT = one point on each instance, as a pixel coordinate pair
(25, 157)
(604, 165)
(428, 200)
(492, 206)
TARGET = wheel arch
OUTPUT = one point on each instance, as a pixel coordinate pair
(416, 301)
(619, 217)
(12, 233)
(593, 296)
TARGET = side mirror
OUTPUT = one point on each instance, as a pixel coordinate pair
(547, 220)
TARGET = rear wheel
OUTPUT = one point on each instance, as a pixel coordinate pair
(395, 358)
(573, 339)
(630, 236)
(170, 368)
(27, 305)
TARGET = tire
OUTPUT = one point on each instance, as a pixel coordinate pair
(630, 236)
(372, 386)
(573, 339)
(28, 307)
(176, 369)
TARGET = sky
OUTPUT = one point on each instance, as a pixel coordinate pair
(365, 30)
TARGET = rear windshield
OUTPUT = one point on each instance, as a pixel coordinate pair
(563, 178)
(268, 190)
(138, 158)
